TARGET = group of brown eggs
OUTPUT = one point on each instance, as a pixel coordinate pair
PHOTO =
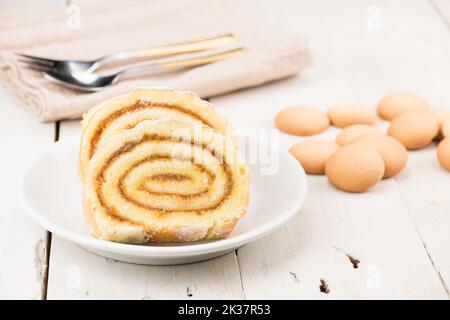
(362, 155)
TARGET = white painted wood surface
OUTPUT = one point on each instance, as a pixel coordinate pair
(22, 243)
(399, 231)
(356, 62)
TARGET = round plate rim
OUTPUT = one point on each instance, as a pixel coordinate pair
(159, 251)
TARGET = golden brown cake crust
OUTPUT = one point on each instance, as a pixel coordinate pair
(133, 193)
(125, 112)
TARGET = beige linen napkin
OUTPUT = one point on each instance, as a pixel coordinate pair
(114, 26)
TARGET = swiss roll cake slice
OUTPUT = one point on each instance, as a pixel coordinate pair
(125, 112)
(165, 181)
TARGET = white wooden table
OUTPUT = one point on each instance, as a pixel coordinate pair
(399, 232)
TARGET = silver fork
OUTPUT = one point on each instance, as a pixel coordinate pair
(70, 66)
(87, 81)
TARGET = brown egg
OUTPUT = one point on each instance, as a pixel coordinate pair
(392, 105)
(445, 129)
(414, 129)
(345, 114)
(313, 154)
(443, 153)
(302, 121)
(394, 154)
(441, 115)
(355, 168)
(349, 134)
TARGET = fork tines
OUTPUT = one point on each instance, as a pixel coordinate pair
(36, 63)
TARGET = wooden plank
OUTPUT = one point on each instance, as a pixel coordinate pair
(424, 187)
(362, 51)
(22, 243)
(431, 209)
(78, 274)
(424, 183)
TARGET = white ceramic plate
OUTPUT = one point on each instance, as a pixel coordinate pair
(50, 193)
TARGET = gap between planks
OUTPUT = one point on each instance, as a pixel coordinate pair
(439, 13)
(48, 239)
(241, 280)
(422, 240)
